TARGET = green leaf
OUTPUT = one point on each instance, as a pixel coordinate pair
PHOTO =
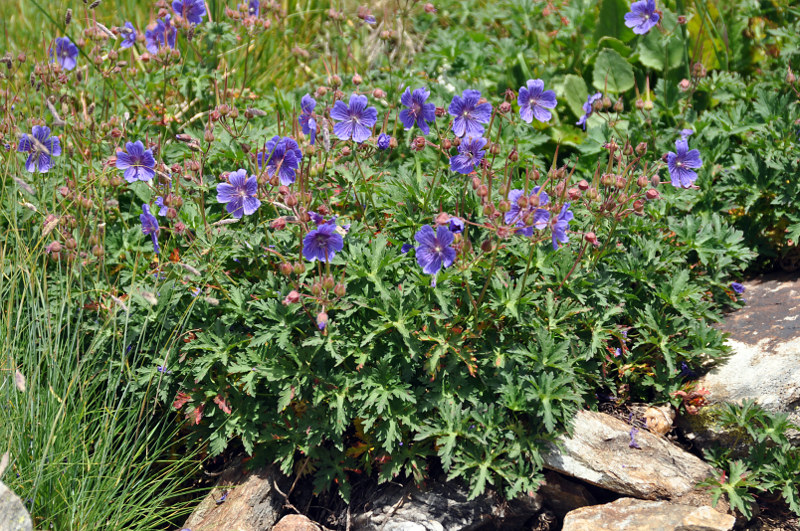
(611, 21)
(612, 72)
(660, 52)
(574, 92)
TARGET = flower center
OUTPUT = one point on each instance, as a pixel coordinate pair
(679, 164)
(438, 248)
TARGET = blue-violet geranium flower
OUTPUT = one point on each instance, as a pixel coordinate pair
(129, 34)
(354, 120)
(323, 242)
(41, 147)
(518, 216)
(163, 34)
(434, 251)
(66, 53)
(239, 193)
(307, 119)
(642, 16)
(149, 225)
(282, 156)
(682, 164)
(470, 154)
(469, 114)
(417, 111)
(138, 163)
(192, 11)
(534, 101)
(561, 225)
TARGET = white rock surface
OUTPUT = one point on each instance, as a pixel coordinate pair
(13, 515)
(628, 514)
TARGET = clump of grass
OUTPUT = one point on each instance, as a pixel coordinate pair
(87, 451)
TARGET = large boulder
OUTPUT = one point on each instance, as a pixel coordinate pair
(628, 514)
(599, 452)
(765, 342)
(13, 515)
(241, 501)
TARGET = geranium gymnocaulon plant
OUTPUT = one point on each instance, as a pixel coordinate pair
(384, 279)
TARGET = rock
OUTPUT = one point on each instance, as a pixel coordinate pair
(598, 452)
(443, 507)
(296, 522)
(563, 495)
(659, 419)
(250, 503)
(765, 338)
(13, 515)
(628, 514)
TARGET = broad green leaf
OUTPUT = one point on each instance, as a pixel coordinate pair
(612, 72)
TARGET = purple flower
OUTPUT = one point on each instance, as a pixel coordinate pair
(41, 147)
(162, 208)
(588, 108)
(307, 119)
(469, 114)
(282, 156)
(534, 101)
(686, 133)
(737, 287)
(149, 225)
(561, 225)
(434, 251)
(405, 248)
(163, 34)
(190, 10)
(617, 352)
(456, 225)
(253, 8)
(323, 242)
(66, 53)
(138, 162)
(163, 369)
(470, 154)
(383, 141)
(129, 34)
(642, 16)
(633, 443)
(240, 194)
(417, 110)
(682, 164)
(355, 120)
(517, 215)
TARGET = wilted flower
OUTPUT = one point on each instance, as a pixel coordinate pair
(534, 101)
(323, 243)
(66, 53)
(128, 35)
(138, 163)
(354, 120)
(588, 108)
(469, 114)
(191, 10)
(40, 146)
(239, 193)
(642, 16)
(561, 225)
(456, 225)
(307, 120)
(163, 34)
(149, 225)
(405, 248)
(366, 15)
(282, 156)
(417, 110)
(434, 251)
(383, 141)
(682, 164)
(686, 133)
(517, 215)
(470, 154)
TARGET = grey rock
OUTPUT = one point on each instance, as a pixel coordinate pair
(628, 514)
(296, 522)
(443, 507)
(765, 338)
(251, 503)
(13, 515)
(598, 452)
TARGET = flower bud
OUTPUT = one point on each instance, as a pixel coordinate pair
(681, 19)
(208, 136)
(504, 107)
(641, 148)
(648, 105)
(285, 268)
(392, 143)
(476, 182)
(639, 104)
(316, 289)
(328, 282)
(488, 210)
(583, 185)
(71, 244)
(54, 247)
(620, 183)
(651, 194)
(292, 297)
(606, 102)
(346, 151)
(321, 91)
(487, 246)
(443, 218)
(291, 200)
(522, 201)
(322, 320)
(378, 94)
(513, 156)
(278, 224)
(607, 179)
(418, 144)
(440, 111)
(573, 194)
(172, 213)
(591, 237)
(655, 181)
(790, 77)
(340, 289)
(482, 191)
(619, 106)
(638, 206)
(504, 206)
(335, 81)
(98, 251)
(494, 149)
(429, 8)
(299, 268)
(446, 144)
